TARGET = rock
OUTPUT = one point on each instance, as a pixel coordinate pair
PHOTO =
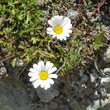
(43, 2)
(96, 104)
(106, 71)
(12, 98)
(92, 78)
(72, 13)
(106, 55)
(3, 70)
(49, 94)
(100, 104)
(105, 81)
(19, 62)
(84, 78)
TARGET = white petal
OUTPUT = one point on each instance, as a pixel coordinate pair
(31, 74)
(49, 65)
(64, 21)
(64, 38)
(41, 65)
(51, 33)
(52, 70)
(68, 22)
(34, 78)
(60, 20)
(53, 76)
(54, 36)
(50, 22)
(49, 29)
(36, 83)
(47, 85)
(49, 80)
(54, 23)
(42, 84)
(66, 34)
(32, 70)
(69, 31)
(67, 27)
(37, 68)
(59, 36)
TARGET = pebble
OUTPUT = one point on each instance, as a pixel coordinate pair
(19, 62)
(84, 78)
(106, 55)
(49, 94)
(72, 13)
(106, 70)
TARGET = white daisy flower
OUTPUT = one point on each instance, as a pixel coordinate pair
(61, 27)
(41, 74)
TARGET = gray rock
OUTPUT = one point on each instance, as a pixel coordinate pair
(106, 55)
(84, 78)
(12, 98)
(92, 78)
(105, 81)
(19, 62)
(106, 106)
(49, 94)
(72, 13)
(100, 105)
(3, 70)
(106, 70)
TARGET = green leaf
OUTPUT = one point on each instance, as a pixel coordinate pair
(28, 58)
(89, 3)
(76, 30)
(35, 39)
(9, 46)
(21, 47)
(86, 5)
(1, 41)
(95, 63)
(51, 55)
(99, 38)
(39, 27)
(13, 62)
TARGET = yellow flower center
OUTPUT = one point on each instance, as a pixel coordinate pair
(58, 29)
(43, 75)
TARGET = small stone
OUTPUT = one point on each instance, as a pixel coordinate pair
(96, 104)
(92, 78)
(3, 70)
(96, 93)
(49, 94)
(19, 62)
(84, 78)
(72, 13)
(105, 81)
(106, 70)
(81, 72)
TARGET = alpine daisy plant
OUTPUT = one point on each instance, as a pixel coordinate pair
(61, 27)
(41, 74)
